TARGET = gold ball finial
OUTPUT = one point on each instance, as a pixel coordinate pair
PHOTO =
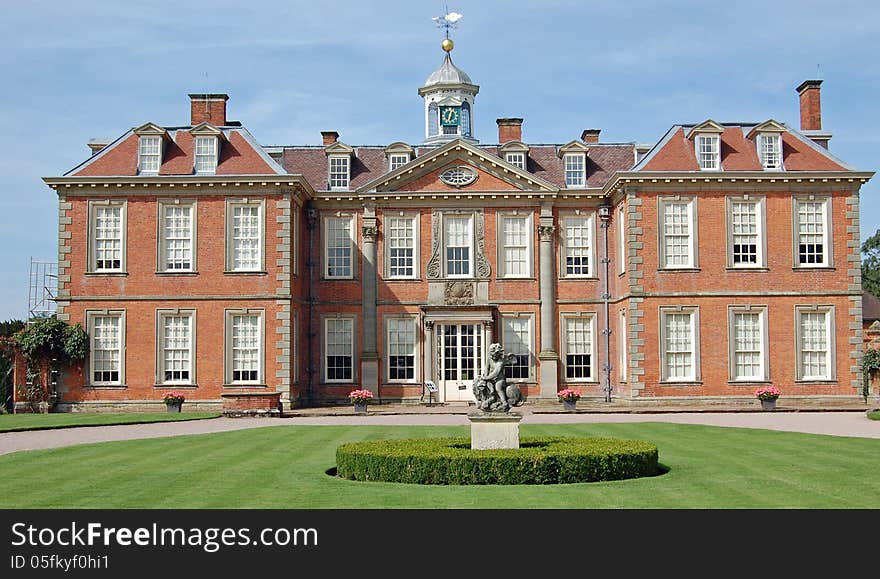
(447, 45)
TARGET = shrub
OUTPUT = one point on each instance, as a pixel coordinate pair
(451, 461)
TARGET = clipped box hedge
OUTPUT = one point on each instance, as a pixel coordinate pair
(539, 460)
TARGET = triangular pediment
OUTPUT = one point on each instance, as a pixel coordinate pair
(150, 130)
(708, 126)
(450, 101)
(492, 173)
(205, 129)
(769, 126)
(338, 148)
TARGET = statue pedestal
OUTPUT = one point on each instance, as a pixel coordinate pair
(493, 430)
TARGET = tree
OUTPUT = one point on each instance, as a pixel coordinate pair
(871, 264)
(47, 344)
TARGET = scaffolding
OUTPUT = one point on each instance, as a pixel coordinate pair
(43, 288)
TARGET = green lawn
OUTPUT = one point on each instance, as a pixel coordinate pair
(284, 467)
(10, 422)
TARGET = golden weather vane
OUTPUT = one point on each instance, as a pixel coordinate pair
(447, 22)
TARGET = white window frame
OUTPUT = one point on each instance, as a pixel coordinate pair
(621, 239)
(712, 163)
(830, 343)
(760, 142)
(143, 142)
(91, 316)
(503, 247)
(161, 235)
(694, 313)
(827, 250)
(693, 257)
(210, 158)
(761, 312)
(352, 222)
(94, 206)
(563, 328)
(231, 205)
(622, 361)
(388, 238)
(760, 231)
(161, 316)
(506, 329)
(397, 160)
(517, 159)
(325, 328)
(230, 315)
(337, 179)
(390, 321)
(471, 246)
(579, 173)
(564, 245)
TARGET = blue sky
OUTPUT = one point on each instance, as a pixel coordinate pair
(74, 71)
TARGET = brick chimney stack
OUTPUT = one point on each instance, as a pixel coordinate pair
(208, 107)
(811, 105)
(329, 137)
(590, 135)
(509, 129)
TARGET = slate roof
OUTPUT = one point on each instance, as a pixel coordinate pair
(370, 162)
(675, 152)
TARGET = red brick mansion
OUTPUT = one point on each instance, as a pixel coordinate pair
(722, 258)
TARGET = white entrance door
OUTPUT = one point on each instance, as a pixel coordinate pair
(461, 359)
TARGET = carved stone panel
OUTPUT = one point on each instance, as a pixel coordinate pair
(433, 269)
(459, 293)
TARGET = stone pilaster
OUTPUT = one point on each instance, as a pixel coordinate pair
(549, 355)
(854, 275)
(370, 355)
(283, 316)
(635, 316)
(64, 249)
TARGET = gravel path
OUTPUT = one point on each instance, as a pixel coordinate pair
(830, 423)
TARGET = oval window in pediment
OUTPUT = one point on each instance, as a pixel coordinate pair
(459, 176)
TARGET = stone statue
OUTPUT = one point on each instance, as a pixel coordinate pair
(491, 390)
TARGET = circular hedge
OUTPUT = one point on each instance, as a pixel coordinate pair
(539, 460)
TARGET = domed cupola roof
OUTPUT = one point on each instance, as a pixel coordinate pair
(448, 73)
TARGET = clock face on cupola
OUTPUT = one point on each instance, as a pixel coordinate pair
(450, 116)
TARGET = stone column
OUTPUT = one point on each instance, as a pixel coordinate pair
(548, 357)
(429, 354)
(370, 354)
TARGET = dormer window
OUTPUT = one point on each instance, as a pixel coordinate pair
(340, 171)
(206, 155)
(574, 169)
(707, 145)
(574, 164)
(149, 154)
(770, 150)
(516, 159)
(708, 149)
(397, 160)
(151, 139)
